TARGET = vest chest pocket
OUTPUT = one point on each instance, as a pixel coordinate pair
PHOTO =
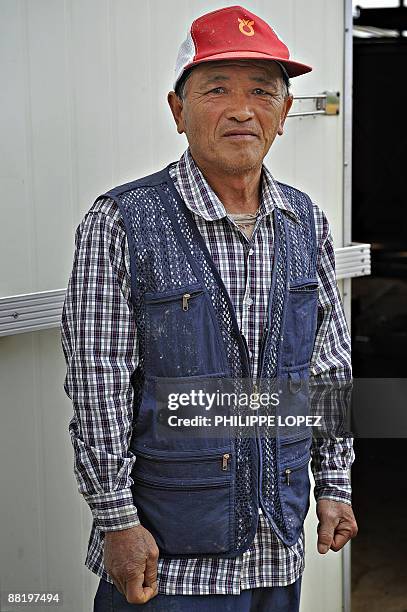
(182, 335)
(300, 322)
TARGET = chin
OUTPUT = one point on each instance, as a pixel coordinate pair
(242, 162)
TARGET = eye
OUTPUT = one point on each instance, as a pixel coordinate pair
(217, 90)
(261, 92)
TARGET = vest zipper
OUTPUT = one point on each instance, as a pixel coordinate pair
(184, 485)
(256, 427)
(261, 355)
(247, 355)
(255, 386)
(183, 297)
(296, 465)
(224, 459)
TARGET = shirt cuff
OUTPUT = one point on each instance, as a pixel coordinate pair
(113, 511)
(334, 485)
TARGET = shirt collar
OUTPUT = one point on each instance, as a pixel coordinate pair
(201, 199)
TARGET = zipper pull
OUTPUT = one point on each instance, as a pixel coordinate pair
(255, 392)
(185, 299)
(225, 461)
(287, 476)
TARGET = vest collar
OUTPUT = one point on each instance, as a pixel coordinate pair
(201, 199)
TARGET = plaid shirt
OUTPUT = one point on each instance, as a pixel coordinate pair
(99, 340)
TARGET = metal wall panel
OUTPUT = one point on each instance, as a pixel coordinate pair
(86, 109)
(45, 523)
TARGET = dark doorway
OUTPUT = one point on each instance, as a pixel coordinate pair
(379, 308)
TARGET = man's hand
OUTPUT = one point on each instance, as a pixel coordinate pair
(130, 557)
(337, 525)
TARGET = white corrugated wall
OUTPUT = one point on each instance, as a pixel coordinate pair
(83, 107)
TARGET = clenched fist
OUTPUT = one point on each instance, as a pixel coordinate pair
(130, 557)
(337, 525)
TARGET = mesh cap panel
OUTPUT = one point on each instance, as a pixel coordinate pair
(185, 56)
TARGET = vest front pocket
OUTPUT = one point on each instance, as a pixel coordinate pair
(182, 333)
(187, 506)
(156, 428)
(294, 402)
(294, 495)
(300, 322)
(295, 448)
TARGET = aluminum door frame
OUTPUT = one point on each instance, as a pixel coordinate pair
(347, 227)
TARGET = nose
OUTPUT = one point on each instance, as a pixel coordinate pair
(239, 108)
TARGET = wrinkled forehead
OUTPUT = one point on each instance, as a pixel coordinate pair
(267, 68)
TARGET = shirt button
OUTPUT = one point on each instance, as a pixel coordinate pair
(250, 252)
(248, 301)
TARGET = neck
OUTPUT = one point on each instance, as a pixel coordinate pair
(239, 193)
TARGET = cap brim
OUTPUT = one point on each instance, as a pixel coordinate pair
(293, 68)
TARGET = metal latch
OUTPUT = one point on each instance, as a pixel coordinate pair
(326, 103)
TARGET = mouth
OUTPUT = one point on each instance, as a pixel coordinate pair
(240, 135)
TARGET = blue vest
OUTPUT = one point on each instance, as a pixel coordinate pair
(200, 496)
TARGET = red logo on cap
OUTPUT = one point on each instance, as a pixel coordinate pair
(246, 23)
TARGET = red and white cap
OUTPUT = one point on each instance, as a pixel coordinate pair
(233, 33)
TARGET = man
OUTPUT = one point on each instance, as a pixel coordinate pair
(208, 268)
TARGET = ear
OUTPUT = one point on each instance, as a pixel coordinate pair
(177, 106)
(288, 102)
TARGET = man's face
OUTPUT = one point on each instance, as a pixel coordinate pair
(231, 113)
